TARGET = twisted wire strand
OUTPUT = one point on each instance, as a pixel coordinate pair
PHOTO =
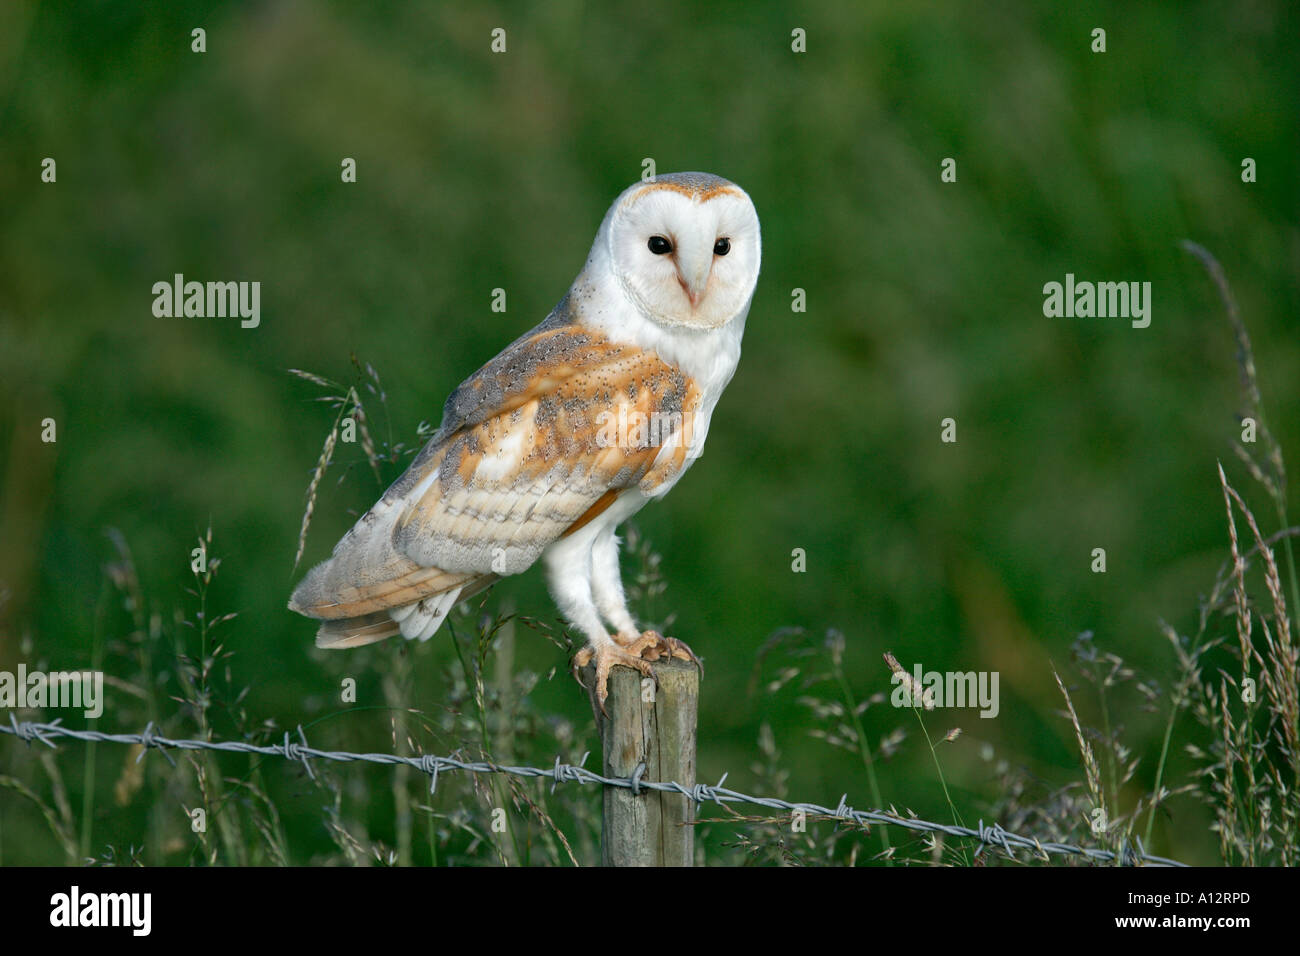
(300, 751)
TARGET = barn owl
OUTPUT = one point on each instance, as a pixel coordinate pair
(570, 430)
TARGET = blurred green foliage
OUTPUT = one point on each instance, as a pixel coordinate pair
(924, 301)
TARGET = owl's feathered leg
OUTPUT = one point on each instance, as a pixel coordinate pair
(607, 590)
(607, 587)
(569, 578)
(582, 572)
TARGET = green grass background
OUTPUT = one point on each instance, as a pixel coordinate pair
(476, 171)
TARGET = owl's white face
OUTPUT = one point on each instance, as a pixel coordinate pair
(686, 249)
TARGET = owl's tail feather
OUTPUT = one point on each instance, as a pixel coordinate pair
(356, 631)
(420, 619)
(338, 590)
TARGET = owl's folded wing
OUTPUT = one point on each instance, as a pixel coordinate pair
(539, 441)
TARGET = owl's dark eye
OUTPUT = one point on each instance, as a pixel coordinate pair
(722, 247)
(659, 245)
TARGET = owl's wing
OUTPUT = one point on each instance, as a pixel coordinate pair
(532, 446)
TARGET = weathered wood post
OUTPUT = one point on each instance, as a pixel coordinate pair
(655, 726)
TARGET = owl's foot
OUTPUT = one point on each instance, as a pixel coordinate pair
(636, 651)
(651, 646)
(606, 655)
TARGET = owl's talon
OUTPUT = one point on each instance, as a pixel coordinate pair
(682, 652)
(605, 657)
(653, 646)
(634, 652)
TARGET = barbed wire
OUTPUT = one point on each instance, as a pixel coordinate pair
(302, 752)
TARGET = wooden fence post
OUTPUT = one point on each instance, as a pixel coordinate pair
(655, 726)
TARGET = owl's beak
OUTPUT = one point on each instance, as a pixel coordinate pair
(694, 282)
(694, 294)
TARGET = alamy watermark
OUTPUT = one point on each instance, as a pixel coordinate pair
(81, 908)
(634, 429)
(1102, 300)
(209, 300)
(931, 689)
(57, 690)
